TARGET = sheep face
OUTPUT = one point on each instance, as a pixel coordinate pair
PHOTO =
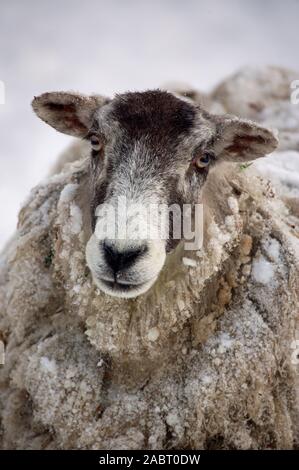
(150, 157)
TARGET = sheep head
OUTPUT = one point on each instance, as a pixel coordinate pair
(150, 155)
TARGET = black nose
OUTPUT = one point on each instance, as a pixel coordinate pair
(118, 260)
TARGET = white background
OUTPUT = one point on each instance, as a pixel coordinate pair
(113, 46)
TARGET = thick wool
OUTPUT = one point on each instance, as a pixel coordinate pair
(202, 360)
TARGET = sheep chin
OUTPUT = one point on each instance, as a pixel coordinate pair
(122, 292)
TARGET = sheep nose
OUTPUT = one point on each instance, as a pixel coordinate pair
(118, 260)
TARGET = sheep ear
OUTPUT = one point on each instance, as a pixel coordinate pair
(70, 113)
(241, 140)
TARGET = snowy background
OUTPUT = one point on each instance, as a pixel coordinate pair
(117, 45)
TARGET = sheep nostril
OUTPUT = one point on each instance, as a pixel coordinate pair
(118, 260)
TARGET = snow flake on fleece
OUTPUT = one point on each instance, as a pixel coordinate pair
(225, 342)
(48, 365)
(233, 204)
(230, 223)
(272, 249)
(219, 237)
(189, 262)
(68, 193)
(265, 265)
(173, 420)
(70, 212)
(262, 270)
(76, 219)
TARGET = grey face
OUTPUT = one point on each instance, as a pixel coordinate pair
(149, 150)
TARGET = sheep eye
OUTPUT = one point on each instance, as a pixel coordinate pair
(203, 160)
(95, 143)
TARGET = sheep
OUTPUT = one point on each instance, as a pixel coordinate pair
(200, 357)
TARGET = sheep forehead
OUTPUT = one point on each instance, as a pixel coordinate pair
(157, 114)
